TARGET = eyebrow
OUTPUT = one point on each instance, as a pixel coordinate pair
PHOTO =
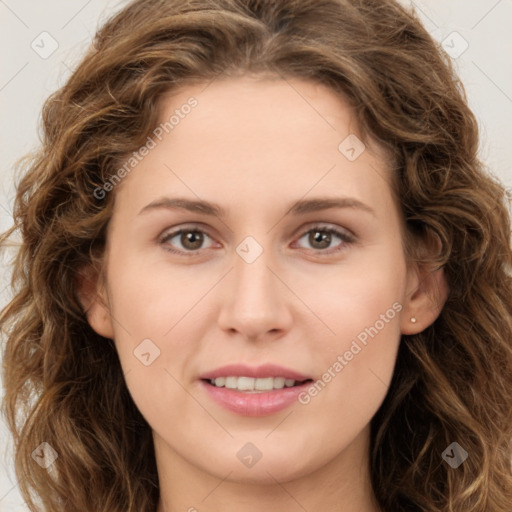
(300, 207)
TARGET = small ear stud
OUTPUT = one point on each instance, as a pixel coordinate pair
(413, 319)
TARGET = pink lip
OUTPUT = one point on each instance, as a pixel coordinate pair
(266, 370)
(254, 404)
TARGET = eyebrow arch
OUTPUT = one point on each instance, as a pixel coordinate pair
(300, 207)
(325, 203)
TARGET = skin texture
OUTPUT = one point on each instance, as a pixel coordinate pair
(255, 146)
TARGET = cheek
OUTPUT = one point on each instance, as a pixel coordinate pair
(363, 309)
(359, 295)
(367, 335)
(158, 328)
(150, 297)
(145, 307)
(151, 315)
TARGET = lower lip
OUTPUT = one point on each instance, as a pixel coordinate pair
(254, 404)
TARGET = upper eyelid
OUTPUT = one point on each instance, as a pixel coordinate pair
(309, 225)
(186, 227)
(325, 226)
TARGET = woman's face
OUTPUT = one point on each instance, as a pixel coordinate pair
(257, 286)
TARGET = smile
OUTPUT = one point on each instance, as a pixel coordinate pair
(251, 384)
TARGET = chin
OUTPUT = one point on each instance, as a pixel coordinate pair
(246, 464)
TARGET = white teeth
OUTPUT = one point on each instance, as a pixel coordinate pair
(279, 382)
(252, 384)
(246, 383)
(231, 382)
(266, 384)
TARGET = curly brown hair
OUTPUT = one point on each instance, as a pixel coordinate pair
(452, 382)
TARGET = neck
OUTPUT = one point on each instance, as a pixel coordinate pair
(340, 485)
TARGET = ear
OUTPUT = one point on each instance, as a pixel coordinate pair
(426, 296)
(93, 298)
(425, 302)
(427, 292)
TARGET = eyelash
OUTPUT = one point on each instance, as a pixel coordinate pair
(346, 238)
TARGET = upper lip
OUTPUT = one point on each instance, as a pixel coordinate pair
(265, 370)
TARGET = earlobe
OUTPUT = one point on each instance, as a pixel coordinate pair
(94, 301)
(426, 301)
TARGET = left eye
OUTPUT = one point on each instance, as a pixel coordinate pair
(192, 239)
(322, 236)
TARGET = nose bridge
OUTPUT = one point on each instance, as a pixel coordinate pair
(256, 302)
(255, 283)
(252, 271)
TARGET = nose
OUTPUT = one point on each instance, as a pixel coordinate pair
(257, 303)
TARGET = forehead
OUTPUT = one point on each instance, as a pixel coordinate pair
(258, 139)
(271, 105)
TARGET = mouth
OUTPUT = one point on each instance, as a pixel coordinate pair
(254, 385)
(254, 391)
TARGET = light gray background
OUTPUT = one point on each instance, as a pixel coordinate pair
(26, 79)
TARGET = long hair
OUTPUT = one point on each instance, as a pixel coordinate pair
(452, 383)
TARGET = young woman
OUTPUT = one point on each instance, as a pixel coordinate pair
(261, 268)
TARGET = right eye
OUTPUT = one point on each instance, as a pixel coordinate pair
(190, 238)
